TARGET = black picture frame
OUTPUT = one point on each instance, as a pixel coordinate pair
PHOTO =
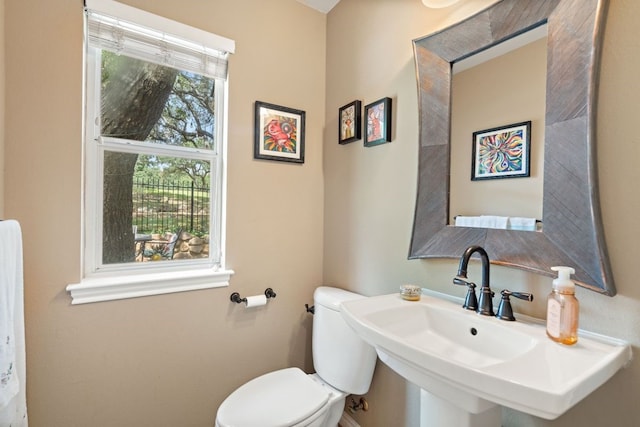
(378, 122)
(279, 133)
(350, 122)
(502, 152)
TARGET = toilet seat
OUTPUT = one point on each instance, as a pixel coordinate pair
(284, 398)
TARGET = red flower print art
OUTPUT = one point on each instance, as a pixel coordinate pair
(280, 135)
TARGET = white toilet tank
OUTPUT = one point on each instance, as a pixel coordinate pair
(340, 357)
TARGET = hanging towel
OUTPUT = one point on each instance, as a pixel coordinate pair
(468, 221)
(483, 221)
(13, 411)
(520, 223)
(494, 221)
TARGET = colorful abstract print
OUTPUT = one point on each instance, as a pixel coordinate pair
(501, 153)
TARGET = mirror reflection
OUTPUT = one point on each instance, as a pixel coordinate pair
(497, 87)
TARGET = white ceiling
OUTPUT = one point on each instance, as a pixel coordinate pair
(323, 6)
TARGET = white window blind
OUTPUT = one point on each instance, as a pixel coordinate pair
(132, 32)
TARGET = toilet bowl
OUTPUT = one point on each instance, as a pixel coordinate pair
(284, 398)
(290, 398)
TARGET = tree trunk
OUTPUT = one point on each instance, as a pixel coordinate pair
(134, 94)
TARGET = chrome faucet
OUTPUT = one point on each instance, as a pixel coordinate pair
(485, 301)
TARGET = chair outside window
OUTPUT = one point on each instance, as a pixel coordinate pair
(162, 249)
(169, 248)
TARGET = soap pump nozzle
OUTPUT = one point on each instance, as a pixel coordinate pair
(563, 282)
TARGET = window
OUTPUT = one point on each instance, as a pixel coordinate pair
(154, 155)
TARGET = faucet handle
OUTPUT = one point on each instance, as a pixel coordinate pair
(461, 280)
(505, 312)
(470, 301)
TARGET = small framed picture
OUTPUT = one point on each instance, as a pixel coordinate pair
(378, 122)
(349, 122)
(279, 133)
(501, 152)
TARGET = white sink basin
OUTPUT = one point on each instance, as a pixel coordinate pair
(476, 362)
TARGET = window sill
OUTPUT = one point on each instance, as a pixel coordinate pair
(98, 289)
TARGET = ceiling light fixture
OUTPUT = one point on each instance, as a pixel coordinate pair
(439, 4)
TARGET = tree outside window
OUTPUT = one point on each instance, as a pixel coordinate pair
(171, 113)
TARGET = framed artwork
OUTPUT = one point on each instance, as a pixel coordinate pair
(378, 119)
(279, 133)
(501, 152)
(349, 122)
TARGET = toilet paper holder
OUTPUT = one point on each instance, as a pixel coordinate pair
(235, 297)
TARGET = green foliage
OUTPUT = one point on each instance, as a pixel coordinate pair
(188, 118)
(161, 206)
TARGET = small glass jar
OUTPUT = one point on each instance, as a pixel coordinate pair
(410, 292)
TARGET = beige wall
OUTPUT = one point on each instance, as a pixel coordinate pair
(164, 360)
(370, 194)
(169, 360)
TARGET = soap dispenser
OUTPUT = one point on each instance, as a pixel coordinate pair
(563, 308)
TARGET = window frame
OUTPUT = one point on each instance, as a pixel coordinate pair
(105, 282)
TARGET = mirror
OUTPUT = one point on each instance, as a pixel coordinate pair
(572, 233)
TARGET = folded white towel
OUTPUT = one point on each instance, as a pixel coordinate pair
(12, 355)
(468, 221)
(493, 221)
(521, 223)
(483, 221)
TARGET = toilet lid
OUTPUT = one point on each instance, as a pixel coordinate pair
(278, 399)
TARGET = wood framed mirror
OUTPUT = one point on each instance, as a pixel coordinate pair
(572, 232)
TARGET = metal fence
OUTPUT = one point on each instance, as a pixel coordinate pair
(161, 206)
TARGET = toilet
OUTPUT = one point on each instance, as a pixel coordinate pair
(344, 365)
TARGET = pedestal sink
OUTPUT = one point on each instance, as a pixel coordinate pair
(470, 365)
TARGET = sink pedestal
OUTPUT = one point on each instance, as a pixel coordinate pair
(443, 404)
(437, 412)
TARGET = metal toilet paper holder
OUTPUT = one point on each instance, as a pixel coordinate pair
(235, 297)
